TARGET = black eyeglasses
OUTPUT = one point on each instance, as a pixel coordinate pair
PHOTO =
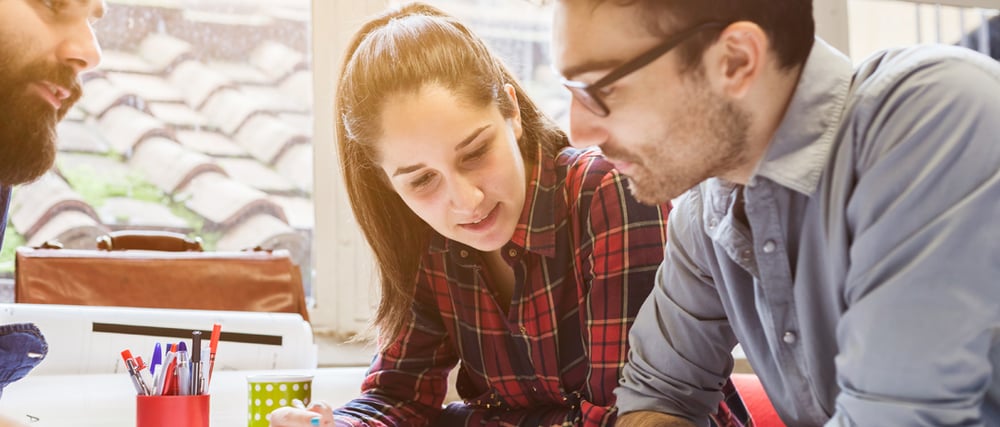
(589, 95)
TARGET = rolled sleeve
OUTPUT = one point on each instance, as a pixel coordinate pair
(681, 340)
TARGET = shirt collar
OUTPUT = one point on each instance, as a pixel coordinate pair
(800, 149)
(536, 230)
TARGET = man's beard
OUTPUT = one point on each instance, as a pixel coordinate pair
(708, 140)
(28, 122)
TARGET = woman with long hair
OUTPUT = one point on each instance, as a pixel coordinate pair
(501, 249)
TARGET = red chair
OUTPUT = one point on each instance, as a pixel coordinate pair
(756, 401)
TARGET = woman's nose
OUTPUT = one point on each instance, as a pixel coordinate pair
(465, 195)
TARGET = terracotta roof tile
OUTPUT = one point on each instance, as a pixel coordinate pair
(275, 99)
(225, 202)
(267, 232)
(120, 213)
(267, 138)
(76, 136)
(116, 60)
(296, 164)
(103, 95)
(300, 122)
(178, 116)
(256, 175)
(211, 143)
(148, 87)
(35, 204)
(229, 109)
(242, 73)
(277, 60)
(74, 229)
(298, 87)
(197, 82)
(125, 127)
(162, 50)
(169, 166)
(300, 211)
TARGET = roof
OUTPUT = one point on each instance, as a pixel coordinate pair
(192, 123)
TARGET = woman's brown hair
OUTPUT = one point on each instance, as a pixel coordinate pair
(399, 52)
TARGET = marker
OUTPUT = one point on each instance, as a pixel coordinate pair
(197, 378)
(140, 385)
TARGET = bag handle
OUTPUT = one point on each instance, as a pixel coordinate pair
(150, 240)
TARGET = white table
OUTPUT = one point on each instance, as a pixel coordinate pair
(108, 400)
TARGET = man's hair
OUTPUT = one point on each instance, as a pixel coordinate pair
(788, 23)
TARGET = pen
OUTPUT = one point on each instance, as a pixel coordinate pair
(140, 385)
(196, 376)
(155, 360)
(213, 345)
(169, 367)
(183, 370)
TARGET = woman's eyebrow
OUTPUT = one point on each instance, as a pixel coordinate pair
(472, 136)
(468, 140)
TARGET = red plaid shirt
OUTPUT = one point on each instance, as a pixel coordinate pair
(584, 255)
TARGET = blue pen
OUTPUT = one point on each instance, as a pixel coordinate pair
(156, 360)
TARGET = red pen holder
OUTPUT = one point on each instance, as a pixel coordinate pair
(172, 411)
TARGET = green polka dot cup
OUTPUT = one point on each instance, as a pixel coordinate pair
(270, 392)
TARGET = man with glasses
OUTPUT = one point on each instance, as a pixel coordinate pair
(839, 223)
(44, 46)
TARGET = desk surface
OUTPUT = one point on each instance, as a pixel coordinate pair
(108, 400)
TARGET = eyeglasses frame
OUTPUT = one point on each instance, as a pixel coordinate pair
(587, 93)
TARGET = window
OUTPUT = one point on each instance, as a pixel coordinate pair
(199, 121)
(879, 24)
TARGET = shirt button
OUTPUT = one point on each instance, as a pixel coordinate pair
(769, 246)
(524, 331)
(789, 337)
(712, 223)
(534, 389)
(463, 253)
(512, 253)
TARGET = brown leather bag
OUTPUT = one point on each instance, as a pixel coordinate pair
(159, 270)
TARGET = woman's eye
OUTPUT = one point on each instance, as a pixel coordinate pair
(421, 182)
(476, 155)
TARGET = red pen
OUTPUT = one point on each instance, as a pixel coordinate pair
(212, 346)
(170, 373)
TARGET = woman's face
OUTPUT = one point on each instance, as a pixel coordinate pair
(458, 167)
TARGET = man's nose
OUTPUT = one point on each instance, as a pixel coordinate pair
(79, 48)
(585, 128)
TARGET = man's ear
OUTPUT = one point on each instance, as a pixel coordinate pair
(515, 119)
(737, 57)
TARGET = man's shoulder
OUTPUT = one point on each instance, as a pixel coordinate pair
(891, 69)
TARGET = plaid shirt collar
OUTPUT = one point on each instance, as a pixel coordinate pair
(536, 230)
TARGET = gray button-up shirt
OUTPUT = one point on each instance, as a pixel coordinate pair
(864, 281)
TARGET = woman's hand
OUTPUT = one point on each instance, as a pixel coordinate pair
(317, 414)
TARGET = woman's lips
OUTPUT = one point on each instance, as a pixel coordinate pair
(485, 223)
